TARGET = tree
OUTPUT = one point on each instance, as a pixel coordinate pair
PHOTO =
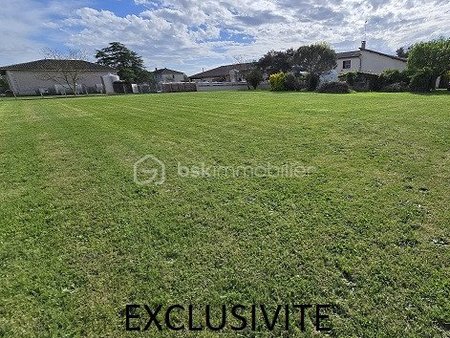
(144, 76)
(254, 77)
(276, 61)
(434, 56)
(129, 64)
(312, 81)
(292, 82)
(66, 71)
(391, 76)
(423, 80)
(315, 59)
(402, 52)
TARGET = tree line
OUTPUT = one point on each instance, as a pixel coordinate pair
(285, 67)
(426, 62)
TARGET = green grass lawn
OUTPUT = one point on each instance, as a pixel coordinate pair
(367, 230)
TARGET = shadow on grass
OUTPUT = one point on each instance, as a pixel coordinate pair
(434, 92)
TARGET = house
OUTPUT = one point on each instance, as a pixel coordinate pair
(368, 61)
(166, 75)
(228, 73)
(51, 76)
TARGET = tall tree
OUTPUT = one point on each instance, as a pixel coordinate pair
(276, 61)
(144, 76)
(315, 59)
(129, 64)
(432, 55)
(402, 52)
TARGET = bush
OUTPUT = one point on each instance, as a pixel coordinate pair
(362, 81)
(334, 87)
(291, 82)
(392, 76)
(254, 77)
(375, 82)
(277, 82)
(396, 87)
(350, 78)
(445, 81)
(312, 81)
(422, 81)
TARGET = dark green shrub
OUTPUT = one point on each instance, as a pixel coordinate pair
(375, 82)
(277, 81)
(334, 87)
(362, 81)
(392, 76)
(254, 77)
(349, 77)
(445, 81)
(312, 81)
(292, 82)
(396, 87)
(422, 81)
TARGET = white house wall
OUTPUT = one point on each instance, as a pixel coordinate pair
(375, 63)
(28, 83)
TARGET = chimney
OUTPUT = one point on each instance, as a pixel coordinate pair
(363, 44)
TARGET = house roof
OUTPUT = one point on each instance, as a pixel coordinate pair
(357, 53)
(346, 55)
(222, 70)
(387, 55)
(166, 71)
(55, 65)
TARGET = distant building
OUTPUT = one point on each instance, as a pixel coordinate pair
(368, 61)
(45, 76)
(166, 75)
(228, 73)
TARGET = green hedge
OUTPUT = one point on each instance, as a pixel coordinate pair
(422, 81)
(334, 87)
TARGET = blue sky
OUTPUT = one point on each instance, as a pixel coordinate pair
(190, 35)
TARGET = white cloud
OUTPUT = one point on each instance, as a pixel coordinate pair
(28, 26)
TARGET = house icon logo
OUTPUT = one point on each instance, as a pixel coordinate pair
(149, 170)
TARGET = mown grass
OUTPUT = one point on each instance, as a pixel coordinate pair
(367, 230)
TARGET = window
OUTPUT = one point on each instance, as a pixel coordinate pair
(347, 64)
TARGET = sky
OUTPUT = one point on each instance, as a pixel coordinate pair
(191, 35)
